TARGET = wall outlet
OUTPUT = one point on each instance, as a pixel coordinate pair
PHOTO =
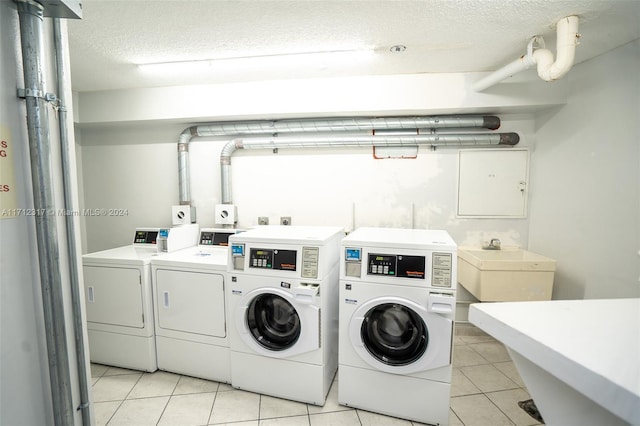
(285, 220)
(263, 220)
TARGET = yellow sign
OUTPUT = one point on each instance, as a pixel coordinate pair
(8, 194)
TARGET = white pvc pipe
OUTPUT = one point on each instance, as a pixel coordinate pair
(548, 70)
(522, 63)
(567, 30)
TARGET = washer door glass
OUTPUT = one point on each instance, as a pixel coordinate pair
(273, 322)
(394, 334)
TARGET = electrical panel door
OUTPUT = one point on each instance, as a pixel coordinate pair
(493, 183)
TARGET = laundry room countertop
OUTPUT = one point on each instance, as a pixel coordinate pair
(591, 345)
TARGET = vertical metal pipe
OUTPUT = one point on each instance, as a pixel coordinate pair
(31, 22)
(184, 188)
(72, 249)
(225, 169)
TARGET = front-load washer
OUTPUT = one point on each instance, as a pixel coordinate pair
(190, 308)
(397, 306)
(283, 314)
(117, 284)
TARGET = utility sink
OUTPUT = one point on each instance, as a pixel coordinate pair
(510, 274)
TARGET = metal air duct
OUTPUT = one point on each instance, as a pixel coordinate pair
(334, 133)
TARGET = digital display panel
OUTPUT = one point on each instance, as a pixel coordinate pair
(214, 238)
(397, 265)
(352, 254)
(237, 249)
(221, 239)
(284, 260)
(382, 264)
(206, 238)
(145, 237)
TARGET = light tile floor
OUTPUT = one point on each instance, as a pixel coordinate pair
(485, 391)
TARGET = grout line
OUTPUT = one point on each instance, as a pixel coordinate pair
(114, 412)
(259, 407)
(358, 416)
(215, 398)
(455, 414)
(134, 385)
(164, 409)
(499, 409)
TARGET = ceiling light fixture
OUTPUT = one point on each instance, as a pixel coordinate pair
(398, 48)
(306, 59)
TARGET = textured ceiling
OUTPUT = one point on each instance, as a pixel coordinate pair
(440, 36)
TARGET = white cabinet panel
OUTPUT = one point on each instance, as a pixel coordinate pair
(191, 302)
(114, 296)
(493, 183)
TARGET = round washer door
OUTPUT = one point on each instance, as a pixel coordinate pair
(399, 336)
(271, 322)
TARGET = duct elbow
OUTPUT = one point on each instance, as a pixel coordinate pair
(185, 137)
(491, 122)
(228, 149)
(509, 139)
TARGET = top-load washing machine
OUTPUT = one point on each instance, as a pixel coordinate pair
(397, 306)
(283, 315)
(190, 308)
(117, 284)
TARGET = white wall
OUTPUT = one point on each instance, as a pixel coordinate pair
(584, 165)
(585, 204)
(347, 188)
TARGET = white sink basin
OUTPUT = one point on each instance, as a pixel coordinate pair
(505, 275)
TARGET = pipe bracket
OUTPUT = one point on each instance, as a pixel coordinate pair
(38, 94)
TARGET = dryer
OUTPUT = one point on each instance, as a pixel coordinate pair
(396, 316)
(283, 316)
(117, 286)
(190, 308)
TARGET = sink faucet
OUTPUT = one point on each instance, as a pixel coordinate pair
(494, 244)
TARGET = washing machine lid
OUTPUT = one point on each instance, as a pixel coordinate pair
(279, 323)
(127, 255)
(390, 238)
(213, 258)
(396, 335)
(295, 235)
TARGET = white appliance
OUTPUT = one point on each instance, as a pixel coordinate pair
(118, 300)
(283, 313)
(190, 309)
(397, 306)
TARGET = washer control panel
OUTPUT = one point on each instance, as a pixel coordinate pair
(304, 260)
(436, 268)
(397, 265)
(145, 237)
(284, 260)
